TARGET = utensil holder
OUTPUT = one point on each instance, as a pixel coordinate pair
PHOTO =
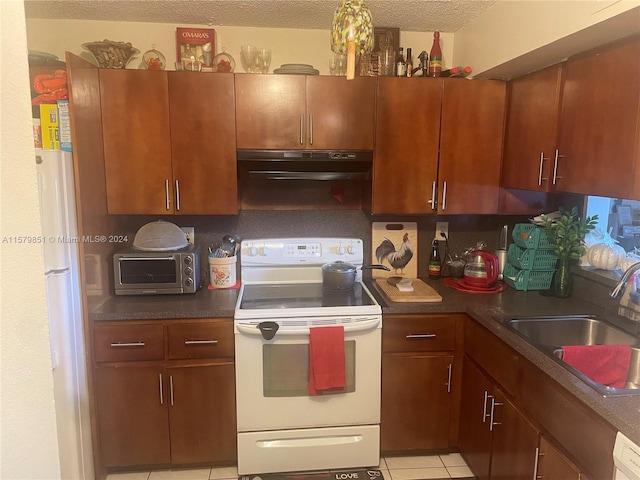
(222, 272)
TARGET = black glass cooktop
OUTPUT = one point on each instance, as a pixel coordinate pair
(302, 295)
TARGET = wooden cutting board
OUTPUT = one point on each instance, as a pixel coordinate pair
(391, 234)
(421, 292)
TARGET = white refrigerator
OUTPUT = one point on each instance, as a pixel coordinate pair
(60, 244)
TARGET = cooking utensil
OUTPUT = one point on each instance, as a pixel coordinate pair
(341, 275)
(229, 245)
(482, 271)
(159, 236)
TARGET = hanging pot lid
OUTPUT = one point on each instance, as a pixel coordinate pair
(159, 236)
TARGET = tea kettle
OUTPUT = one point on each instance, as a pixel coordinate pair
(482, 270)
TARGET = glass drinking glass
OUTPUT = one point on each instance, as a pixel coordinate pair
(263, 60)
(333, 65)
(341, 64)
(248, 57)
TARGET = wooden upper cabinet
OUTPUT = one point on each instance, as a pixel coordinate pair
(203, 147)
(599, 123)
(471, 135)
(304, 112)
(532, 125)
(340, 113)
(137, 145)
(169, 142)
(406, 149)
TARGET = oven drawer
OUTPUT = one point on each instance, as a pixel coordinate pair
(128, 343)
(418, 333)
(201, 340)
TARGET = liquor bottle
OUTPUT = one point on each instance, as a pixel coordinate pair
(456, 72)
(435, 57)
(435, 264)
(409, 67)
(401, 66)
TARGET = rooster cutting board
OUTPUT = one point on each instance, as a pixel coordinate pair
(395, 245)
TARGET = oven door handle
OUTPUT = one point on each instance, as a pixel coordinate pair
(348, 328)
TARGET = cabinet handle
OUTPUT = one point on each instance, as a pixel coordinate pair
(535, 464)
(448, 384)
(420, 335)
(494, 404)
(200, 342)
(555, 167)
(177, 194)
(171, 389)
(444, 196)
(166, 194)
(484, 409)
(302, 129)
(160, 382)
(127, 344)
(434, 200)
(310, 129)
(542, 159)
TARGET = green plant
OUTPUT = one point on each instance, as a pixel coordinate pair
(566, 233)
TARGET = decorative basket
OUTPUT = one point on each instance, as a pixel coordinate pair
(527, 279)
(532, 258)
(110, 54)
(528, 235)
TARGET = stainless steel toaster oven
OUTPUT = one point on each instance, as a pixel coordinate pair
(158, 272)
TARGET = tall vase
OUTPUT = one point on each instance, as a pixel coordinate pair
(563, 281)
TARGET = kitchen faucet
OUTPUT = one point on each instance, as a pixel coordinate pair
(623, 281)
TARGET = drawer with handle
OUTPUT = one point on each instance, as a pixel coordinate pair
(128, 343)
(418, 333)
(201, 340)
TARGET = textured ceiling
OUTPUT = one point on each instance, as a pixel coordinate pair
(408, 15)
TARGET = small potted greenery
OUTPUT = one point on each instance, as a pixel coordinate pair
(566, 234)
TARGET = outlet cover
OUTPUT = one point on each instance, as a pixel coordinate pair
(190, 233)
(442, 227)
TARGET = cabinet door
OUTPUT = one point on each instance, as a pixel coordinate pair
(532, 123)
(553, 465)
(137, 146)
(471, 146)
(270, 111)
(406, 150)
(475, 436)
(132, 415)
(340, 113)
(514, 444)
(416, 401)
(202, 413)
(203, 146)
(599, 122)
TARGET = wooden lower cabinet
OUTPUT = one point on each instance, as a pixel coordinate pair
(416, 402)
(132, 417)
(514, 433)
(165, 393)
(202, 414)
(419, 383)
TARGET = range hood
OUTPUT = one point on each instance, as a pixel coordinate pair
(305, 164)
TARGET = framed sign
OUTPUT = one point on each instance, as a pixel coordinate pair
(198, 44)
(386, 38)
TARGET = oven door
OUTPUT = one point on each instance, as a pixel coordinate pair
(272, 379)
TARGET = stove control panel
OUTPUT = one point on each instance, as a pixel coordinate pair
(300, 251)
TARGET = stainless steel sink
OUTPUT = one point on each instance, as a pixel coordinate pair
(549, 334)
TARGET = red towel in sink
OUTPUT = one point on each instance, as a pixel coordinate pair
(605, 364)
(326, 359)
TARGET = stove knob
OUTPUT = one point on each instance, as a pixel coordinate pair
(341, 250)
(265, 251)
(253, 251)
(351, 249)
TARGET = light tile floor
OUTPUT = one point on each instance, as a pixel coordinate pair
(438, 467)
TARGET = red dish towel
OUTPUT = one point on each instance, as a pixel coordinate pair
(605, 364)
(326, 359)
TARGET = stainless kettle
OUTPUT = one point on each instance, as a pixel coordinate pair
(482, 270)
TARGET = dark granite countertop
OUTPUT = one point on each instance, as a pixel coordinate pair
(622, 412)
